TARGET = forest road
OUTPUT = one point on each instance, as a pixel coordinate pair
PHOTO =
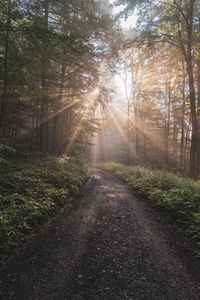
(106, 245)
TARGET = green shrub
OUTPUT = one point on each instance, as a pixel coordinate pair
(177, 196)
(31, 189)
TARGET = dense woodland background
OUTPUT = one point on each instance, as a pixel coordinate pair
(56, 58)
(52, 57)
(162, 58)
(74, 83)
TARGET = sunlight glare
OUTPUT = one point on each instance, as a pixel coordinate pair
(118, 126)
(52, 115)
(130, 22)
(141, 128)
(74, 136)
(96, 91)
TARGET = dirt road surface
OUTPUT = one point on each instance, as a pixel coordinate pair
(105, 244)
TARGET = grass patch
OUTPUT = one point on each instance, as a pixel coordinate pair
(31, 188)
(177, 196)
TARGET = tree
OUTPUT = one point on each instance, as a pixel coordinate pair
(51, 55)
(174, 23)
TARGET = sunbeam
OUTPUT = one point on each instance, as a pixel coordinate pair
(52, 115)
(119, 127)
(74, 136)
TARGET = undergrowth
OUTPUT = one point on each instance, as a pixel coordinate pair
(177, 196)
(31, 188)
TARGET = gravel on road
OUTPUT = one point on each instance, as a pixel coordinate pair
(104, 244)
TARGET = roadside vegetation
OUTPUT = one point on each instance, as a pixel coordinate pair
(32, 186)
(176, 196)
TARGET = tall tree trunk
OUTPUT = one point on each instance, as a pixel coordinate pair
(198, 117)
(175, 143)
(5, 86)
(182, 120)
(174, 146)
(44, 130)
(185, 160)
(136, 134)
(144, 142)
(128, 132)
(43, 118)
(193, 149)
(187, 53)
(55, 132)
(33, 133)
(167, 132)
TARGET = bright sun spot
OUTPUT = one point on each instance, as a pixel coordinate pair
(120, 84)
(96, 91)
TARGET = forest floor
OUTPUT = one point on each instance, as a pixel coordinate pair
(107, 244)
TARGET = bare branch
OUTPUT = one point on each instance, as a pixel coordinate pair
(169, 42)
(181, 11)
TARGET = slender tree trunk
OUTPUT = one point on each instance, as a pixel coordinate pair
(185, 160)
(32, 133)
(188, 55)
(15, 135)
(136, 134)
(144, 142)
(168, 125)
(55, 134)
(175, 144)
(193, 149)
(44, 128)
(5, 86)
(187, 146)
(43, 116)
(182, 120)
(128, 132)
(198, 117)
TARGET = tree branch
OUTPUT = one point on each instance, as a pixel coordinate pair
(182, 46)
(181, 11)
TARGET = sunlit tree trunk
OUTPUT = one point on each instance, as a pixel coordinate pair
(194, 121)
(144, 142)
(167, 126)
(55, 133)
(187, 53)
(136, 133)
(175, 143)
(182, 120)
(128, 132)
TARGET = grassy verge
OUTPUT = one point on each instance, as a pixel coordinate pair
(31, 188)
(178, 197)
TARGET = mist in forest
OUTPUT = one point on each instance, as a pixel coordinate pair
(57, 64)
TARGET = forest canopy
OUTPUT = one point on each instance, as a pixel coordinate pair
(160, 68)
(52, 59)
(57, 59)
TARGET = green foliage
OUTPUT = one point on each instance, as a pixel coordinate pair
(177, 196)
(50, 60)
(32, 190)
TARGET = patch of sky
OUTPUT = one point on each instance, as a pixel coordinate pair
(127, 23)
